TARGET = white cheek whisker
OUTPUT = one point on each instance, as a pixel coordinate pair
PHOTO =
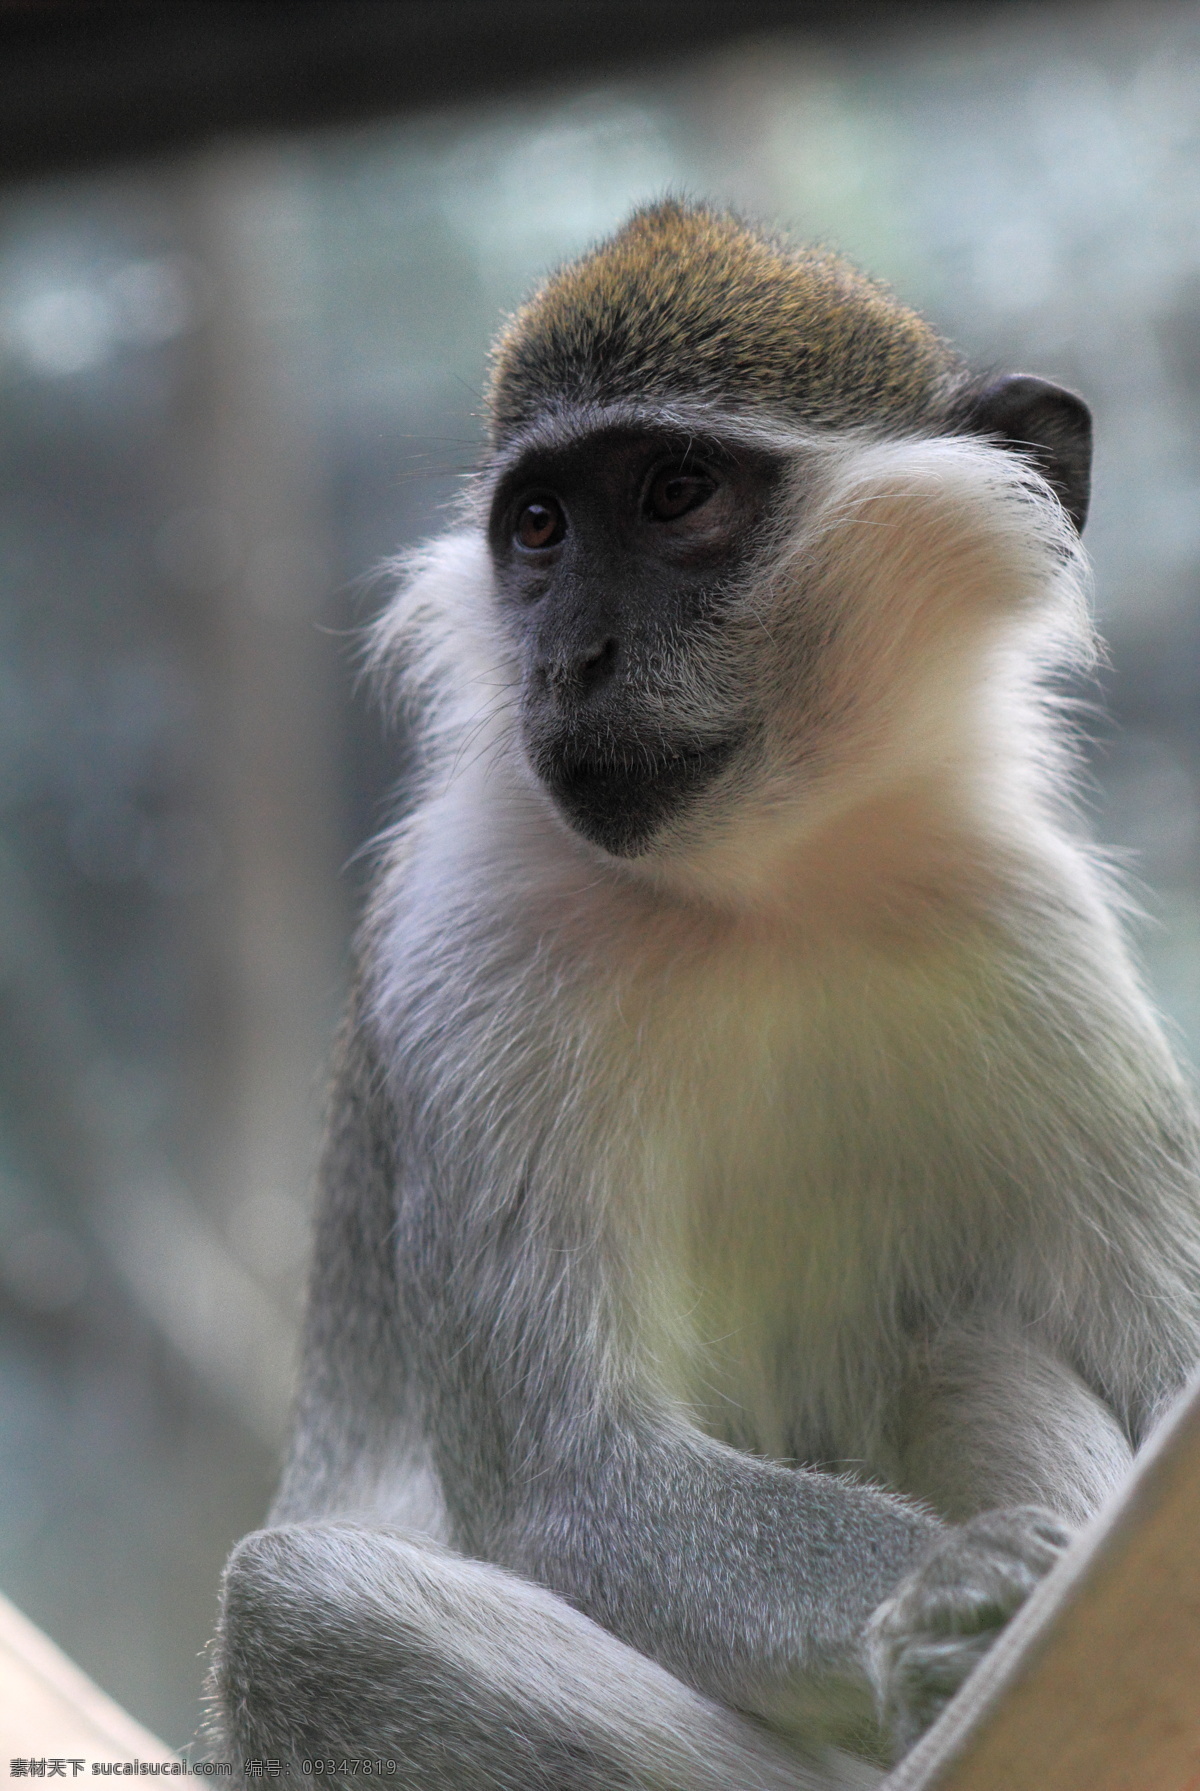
(504, 704)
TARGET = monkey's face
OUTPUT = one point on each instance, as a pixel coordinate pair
(619, 552)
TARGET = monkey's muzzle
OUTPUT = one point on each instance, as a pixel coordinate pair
(621, 799)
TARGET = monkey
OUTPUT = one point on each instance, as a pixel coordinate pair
(759, 1216)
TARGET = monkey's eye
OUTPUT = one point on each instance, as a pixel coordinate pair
(540, 522)
(674, 490)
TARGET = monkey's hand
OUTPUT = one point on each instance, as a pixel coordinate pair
(923, 1641)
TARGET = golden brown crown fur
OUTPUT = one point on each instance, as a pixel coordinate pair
(688, 302)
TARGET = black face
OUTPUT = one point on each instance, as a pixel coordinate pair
(616, 552)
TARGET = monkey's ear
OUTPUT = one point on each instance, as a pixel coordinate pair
(1049, 425)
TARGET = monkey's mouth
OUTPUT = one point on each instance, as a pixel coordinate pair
(621, 800)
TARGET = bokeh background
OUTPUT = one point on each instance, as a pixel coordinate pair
(241, 354)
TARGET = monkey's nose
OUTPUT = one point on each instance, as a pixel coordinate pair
(576, 672)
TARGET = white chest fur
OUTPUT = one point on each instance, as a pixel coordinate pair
(813, 1121)
(795, 1137)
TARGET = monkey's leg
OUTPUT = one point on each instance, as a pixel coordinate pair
(341, 1643)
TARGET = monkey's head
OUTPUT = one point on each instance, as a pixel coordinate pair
(698, 519)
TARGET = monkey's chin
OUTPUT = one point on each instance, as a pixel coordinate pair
(624, 806)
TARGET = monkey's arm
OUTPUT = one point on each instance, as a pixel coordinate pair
(768, 1587)
(751, 1581)
(1000, 1433)
(357, 1446)
(990, 1415)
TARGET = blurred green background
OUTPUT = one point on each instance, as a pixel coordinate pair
(239, 370)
